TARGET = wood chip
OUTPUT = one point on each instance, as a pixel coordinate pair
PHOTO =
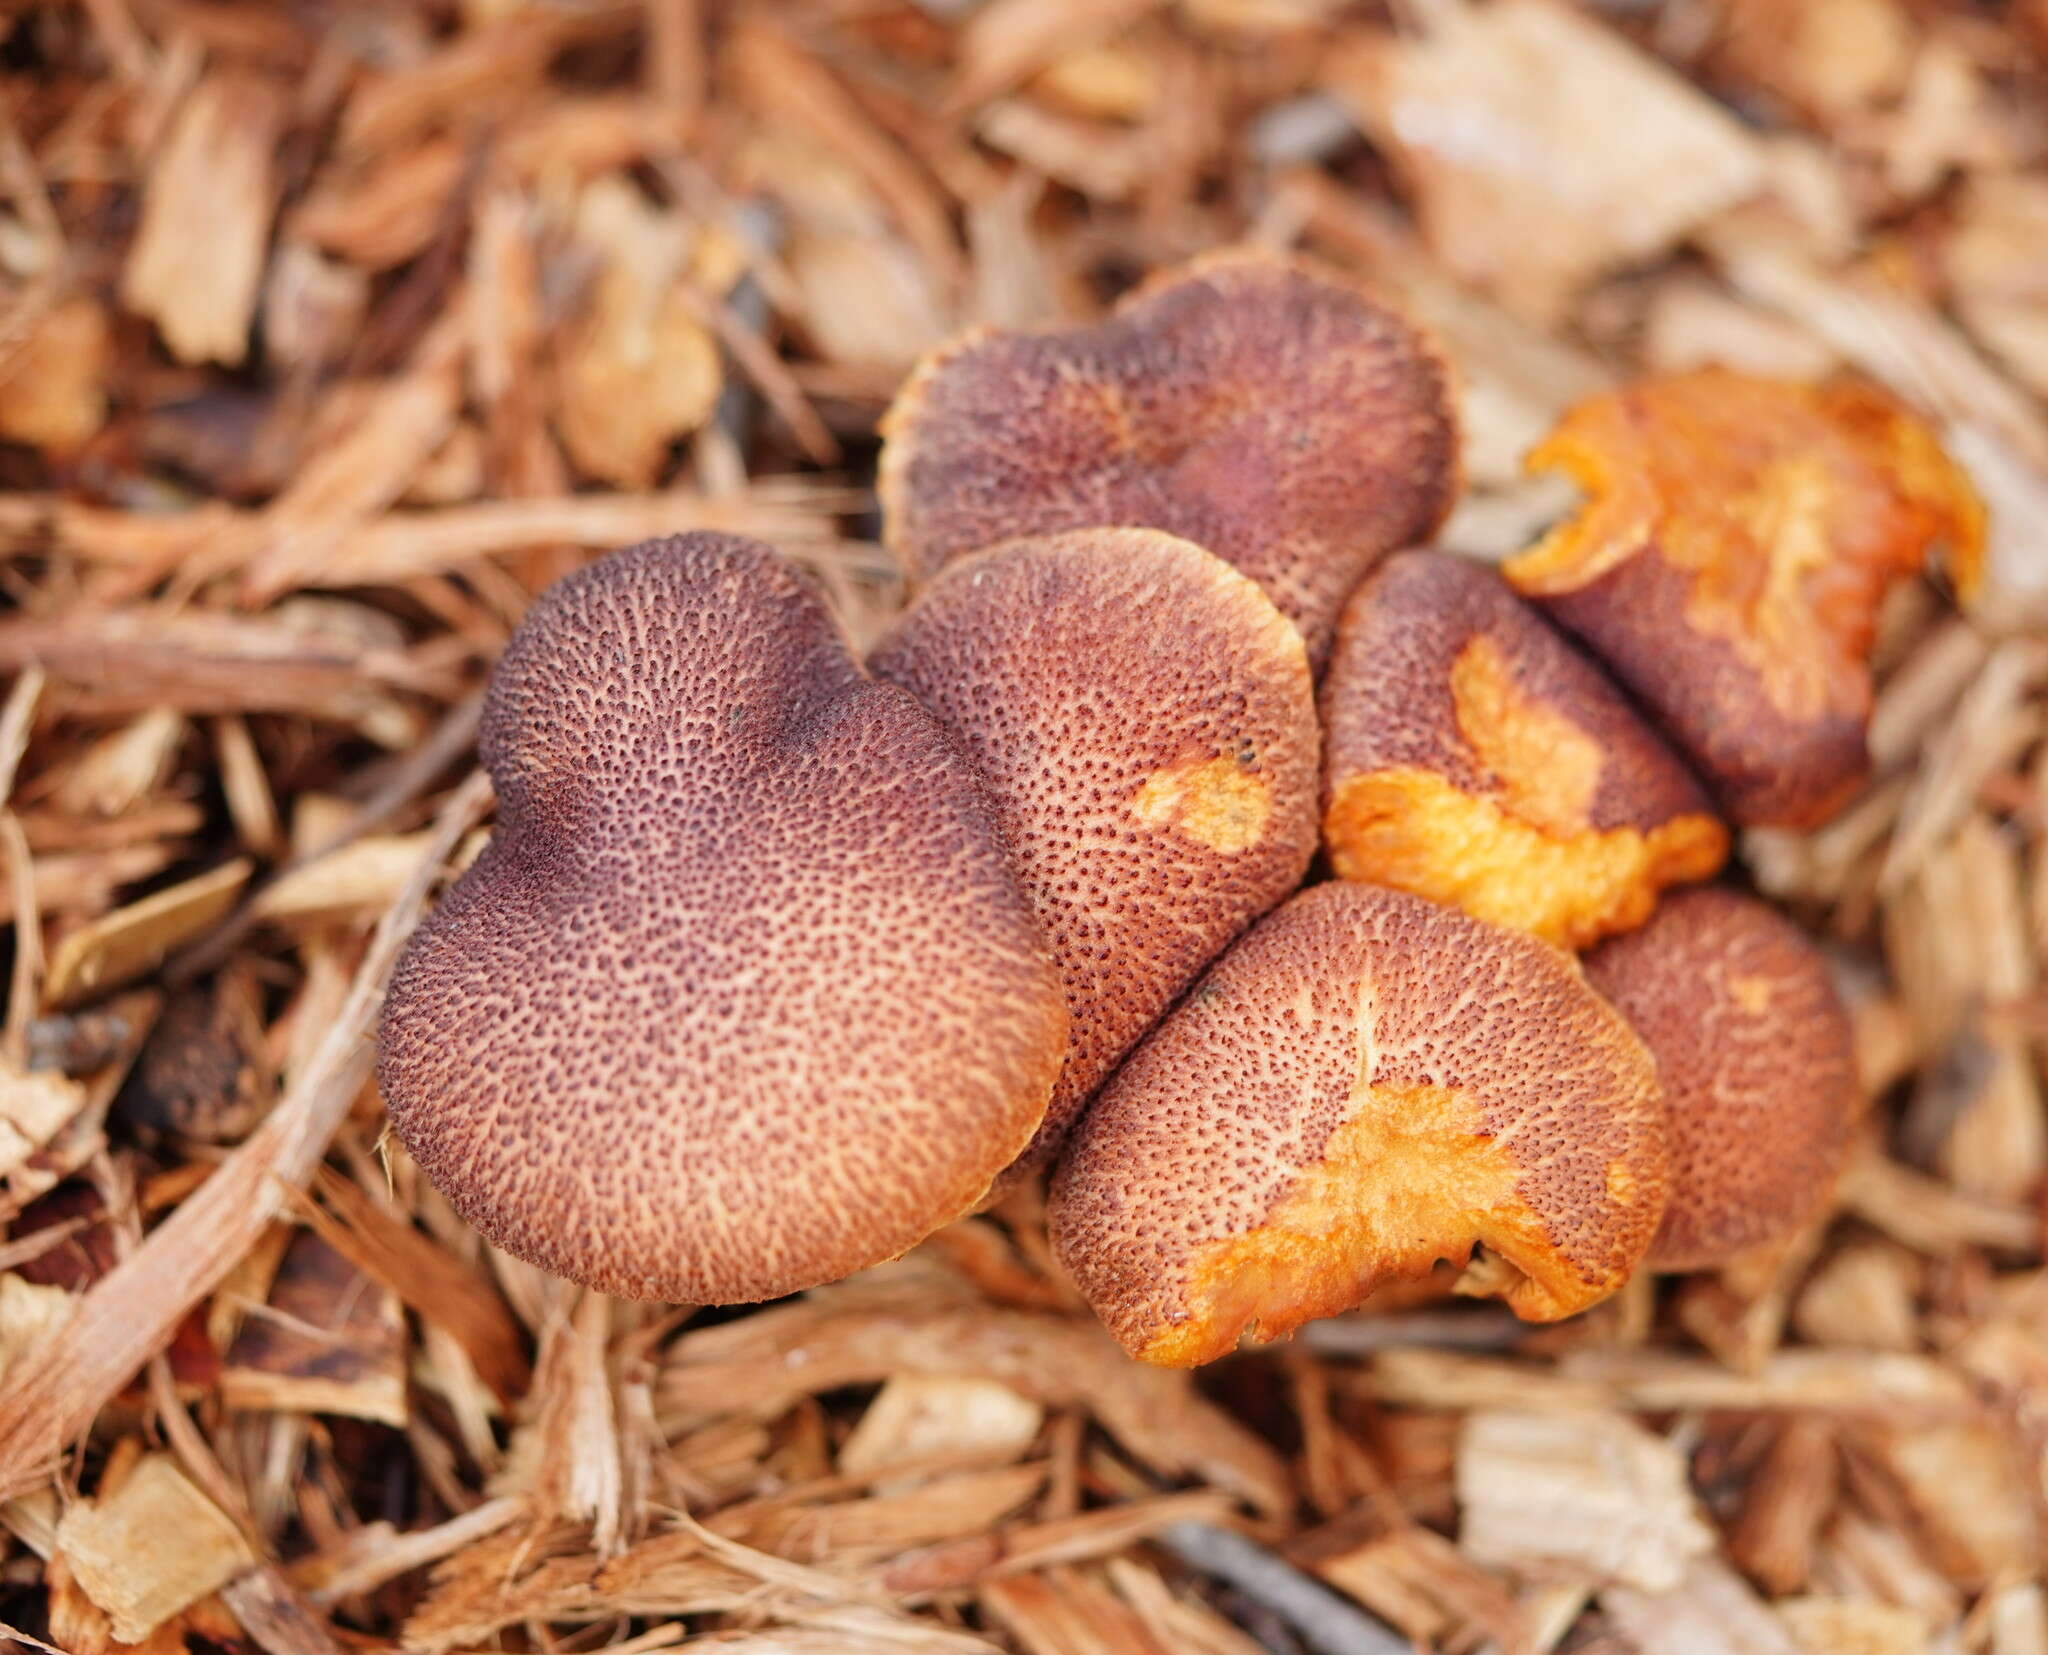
(1709, 1612)
(152, 1548)
(1542, 148)
(215, 169)
(53, 378)
(327, 1340)
(1585, 1497)
(135, 939)
(919, 1417)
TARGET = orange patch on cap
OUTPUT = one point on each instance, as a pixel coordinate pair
(1412, 1166)
(1219, 802)
(1364, 1085)
(1767, 519)
(1475, 758)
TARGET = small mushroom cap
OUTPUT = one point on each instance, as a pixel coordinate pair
(1738, 537)
(1365, 1084)
(1143, 718)
(1474, 757)
(1757, 1063)
(1256, 405)
(742, 996)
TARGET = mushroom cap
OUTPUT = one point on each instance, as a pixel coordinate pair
(742, 996)
(1474, 757)
(1143, 719)
(1257, 405)
(1365, 1084)
(1738, 537)
(1757, 1063)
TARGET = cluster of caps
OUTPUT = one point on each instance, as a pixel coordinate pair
(778, 961)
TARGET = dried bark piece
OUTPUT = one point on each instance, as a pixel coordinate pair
(328, 1340)
(1365, 1084)
(1144, 720)
(742, 996)
(1728, 566)
(196, 1075)
(1474, 757)
(1757, 1063)
(1261, 407)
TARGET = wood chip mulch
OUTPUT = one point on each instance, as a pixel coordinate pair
(330, 333)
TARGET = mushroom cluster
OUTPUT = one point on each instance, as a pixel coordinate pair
(778, 960)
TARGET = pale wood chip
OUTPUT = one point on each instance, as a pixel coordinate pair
(30, 1312)
(150, 1549)
(1927, 1215)
(790, 87)
(1655, 1381)
(1182, 1622)
(636, 369)
(1590, 1497)
(313, 307)
(358, 880)
(247, 789)
(1996, 720)
(1104, 163)
(1863, 1296)
(197, 261)
(1693, 324)
(1854, 1626)
(1865, 1558)
(116, 772)
(946, 1508)
(919, 1416)
(1965, 1485)
(133, 940)
(376, 1553)
(1542, 148)
(2018, 1620)
(34, 1107)
(866, 300)
(1709, 1612)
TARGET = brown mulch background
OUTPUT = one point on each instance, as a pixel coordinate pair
(330, 334)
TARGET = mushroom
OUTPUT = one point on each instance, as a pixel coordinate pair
(1144, 720)
(1363, 1085)
(743, 995)
(1739, 536)
(1757, 1063)
(1259, 406)
(1474, 757)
